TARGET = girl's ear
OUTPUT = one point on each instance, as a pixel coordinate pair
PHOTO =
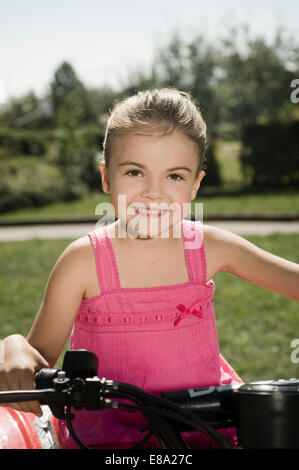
(105, 178)
(196, 184)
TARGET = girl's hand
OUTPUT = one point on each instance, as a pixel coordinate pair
(21, 362)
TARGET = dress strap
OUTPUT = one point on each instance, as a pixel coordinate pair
(108, 281)
(195, 250)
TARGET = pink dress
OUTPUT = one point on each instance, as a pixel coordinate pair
(158, 338)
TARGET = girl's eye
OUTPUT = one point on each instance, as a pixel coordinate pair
(176, 177)
(133, 172)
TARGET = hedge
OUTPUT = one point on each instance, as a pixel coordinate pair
(23, 141)
(28, 182)
(270, 154)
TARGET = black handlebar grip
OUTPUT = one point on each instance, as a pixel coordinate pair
(76, 363)
(80, 363)
(44, 378)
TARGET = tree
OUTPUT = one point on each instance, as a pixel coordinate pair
(19, 107)
(256, 77)
(66, 82)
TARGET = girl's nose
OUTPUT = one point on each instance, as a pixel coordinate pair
(153, 189)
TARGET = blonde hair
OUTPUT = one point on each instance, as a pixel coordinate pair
(162, 110)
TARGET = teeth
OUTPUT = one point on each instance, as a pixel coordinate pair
(149, 212)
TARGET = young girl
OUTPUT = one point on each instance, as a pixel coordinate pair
(138, 292)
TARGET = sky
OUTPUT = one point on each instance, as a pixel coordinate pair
(103, 41)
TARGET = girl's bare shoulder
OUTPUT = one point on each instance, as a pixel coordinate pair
(218, 236)
(76, 250)
(220, 245)
(80, 245)
(75, 265)
(77, 258)
(81, 250)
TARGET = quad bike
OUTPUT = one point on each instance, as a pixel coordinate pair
(265, 413)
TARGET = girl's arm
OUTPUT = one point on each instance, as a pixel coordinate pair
(233, 254)
(64, 291)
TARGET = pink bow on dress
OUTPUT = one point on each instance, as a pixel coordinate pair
(186, 311)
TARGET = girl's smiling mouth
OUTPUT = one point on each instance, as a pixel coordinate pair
(150, 212)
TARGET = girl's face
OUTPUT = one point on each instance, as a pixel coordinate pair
(152, 171)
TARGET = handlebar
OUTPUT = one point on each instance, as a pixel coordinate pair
(77, 386)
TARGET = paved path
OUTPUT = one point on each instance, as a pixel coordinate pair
(74, 231)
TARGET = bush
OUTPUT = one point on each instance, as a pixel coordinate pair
(23, 141)
(211, 166)
(77, 152)
(270, 154)
(91, 139)
(27, 182)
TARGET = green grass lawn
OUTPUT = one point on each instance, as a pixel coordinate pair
(255, 326)
(267, 204)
